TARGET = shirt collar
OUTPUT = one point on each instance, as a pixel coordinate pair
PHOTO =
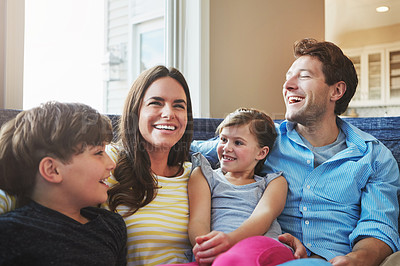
(353, 134)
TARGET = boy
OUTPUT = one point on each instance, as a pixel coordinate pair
(52, 160)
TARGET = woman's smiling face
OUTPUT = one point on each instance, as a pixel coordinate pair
(163, 114)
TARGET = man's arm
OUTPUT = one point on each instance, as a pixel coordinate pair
(379, 215)
(366, 252)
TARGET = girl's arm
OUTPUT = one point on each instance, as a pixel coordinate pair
(199, 206)
(268, 208)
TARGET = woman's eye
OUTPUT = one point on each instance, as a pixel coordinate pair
(99, 153)
(180, 106)
(155, 103)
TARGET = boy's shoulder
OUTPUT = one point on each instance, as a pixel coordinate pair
(107, 215)
(18, 218)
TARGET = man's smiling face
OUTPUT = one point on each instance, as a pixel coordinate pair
(305, 92)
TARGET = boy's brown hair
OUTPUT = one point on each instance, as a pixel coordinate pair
(58, 130)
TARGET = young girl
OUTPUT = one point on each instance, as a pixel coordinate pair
(244, 206)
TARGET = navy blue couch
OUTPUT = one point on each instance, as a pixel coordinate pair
(386, 129)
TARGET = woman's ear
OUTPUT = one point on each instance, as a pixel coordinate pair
(48, 170)
(263, 153)
(339, 90)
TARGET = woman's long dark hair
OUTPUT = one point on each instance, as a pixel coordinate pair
(137, 184)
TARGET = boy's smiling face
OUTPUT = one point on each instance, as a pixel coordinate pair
(84, 176)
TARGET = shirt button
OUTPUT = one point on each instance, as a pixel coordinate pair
(308, 161)
(307, 222)
(308, 245)
(304, 208)
(308, 186)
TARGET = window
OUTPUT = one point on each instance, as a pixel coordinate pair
(136, 36)
(64, 43)
(91, 50)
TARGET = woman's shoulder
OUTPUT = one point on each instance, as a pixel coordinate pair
(113, 151)
(187, 168)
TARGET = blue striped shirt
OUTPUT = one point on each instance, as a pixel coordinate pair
(351, 196)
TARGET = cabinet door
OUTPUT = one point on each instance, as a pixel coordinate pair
(394, 68)
(369, 67)
(374, 76)
(356, 59)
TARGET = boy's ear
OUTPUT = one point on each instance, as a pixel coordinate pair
(263, 153)
(48, 170)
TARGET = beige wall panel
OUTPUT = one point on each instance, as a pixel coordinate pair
(251, 49)
(373, 36)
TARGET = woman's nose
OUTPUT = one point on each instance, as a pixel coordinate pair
(168, 112)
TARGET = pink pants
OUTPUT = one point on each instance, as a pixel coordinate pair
(256, 250)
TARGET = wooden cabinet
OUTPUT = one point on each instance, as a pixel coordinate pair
(378, 69)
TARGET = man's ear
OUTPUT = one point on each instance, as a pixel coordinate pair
(48, 170)
(263, 153)
(339, 90)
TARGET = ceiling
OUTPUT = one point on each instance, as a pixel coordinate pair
(351, 15)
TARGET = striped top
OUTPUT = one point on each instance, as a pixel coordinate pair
(157, 233)
(7, 202)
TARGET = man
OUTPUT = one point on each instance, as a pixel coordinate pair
(343, 183)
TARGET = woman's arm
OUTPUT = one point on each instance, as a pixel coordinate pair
(199, 205)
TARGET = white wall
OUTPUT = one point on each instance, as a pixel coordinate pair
(12, 53)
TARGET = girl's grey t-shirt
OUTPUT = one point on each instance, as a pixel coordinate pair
(231, 205)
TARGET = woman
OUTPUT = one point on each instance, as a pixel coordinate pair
(151, 175)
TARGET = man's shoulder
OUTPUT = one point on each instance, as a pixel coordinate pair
(351, 130)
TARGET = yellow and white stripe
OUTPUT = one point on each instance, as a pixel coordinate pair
(7, 202)
(157, 233)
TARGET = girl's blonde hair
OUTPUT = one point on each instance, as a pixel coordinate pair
(260, 125)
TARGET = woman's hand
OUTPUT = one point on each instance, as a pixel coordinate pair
(209, 246)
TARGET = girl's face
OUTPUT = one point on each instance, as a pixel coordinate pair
(163, 114)
(238, 150)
